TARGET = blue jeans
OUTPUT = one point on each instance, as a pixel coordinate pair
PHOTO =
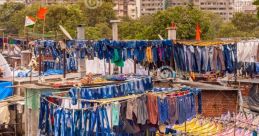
(204, 58)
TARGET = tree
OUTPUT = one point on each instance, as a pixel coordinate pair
(68, 16)
(245, 22)
(256, 2)
(101, 14)
(7, 11)
(100, 31)
(136, 29)
(185, 18)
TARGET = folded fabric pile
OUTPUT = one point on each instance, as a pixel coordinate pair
(116, 78)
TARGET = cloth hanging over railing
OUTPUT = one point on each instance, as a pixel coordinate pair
(137, 115)
(193, 58)
(53, 56)
(119, 51)
(130, 107)
(240, 125)
(248, 60)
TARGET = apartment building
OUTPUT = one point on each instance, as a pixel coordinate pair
(225, 8)
(4, 1)
(171, 3)
(133, 9)
(121, 7)
(245, 6)
(147, 7)
(137, 8)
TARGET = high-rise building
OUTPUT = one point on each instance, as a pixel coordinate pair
(245, 6)
(171, 3)
(225, 8)
(147, 7)
(4, 1)
(132, 9)
(121, 7)
(137, 8)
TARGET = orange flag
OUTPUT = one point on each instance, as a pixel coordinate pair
(42, 13)
(198, 32)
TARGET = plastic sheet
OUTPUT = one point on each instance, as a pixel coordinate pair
(5, 91)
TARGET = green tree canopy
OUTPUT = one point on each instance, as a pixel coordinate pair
(12, 18)
(241, 25)
(7, 11)
(245, 22)
(185, 18)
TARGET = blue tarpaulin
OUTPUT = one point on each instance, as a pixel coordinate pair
(5, 91)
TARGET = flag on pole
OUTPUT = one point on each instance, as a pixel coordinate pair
(29, 21)
(198, 32)
(42, 13)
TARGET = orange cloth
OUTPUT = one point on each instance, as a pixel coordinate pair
(149, 54)
(198, 32)
(42, 12)
(192, 75)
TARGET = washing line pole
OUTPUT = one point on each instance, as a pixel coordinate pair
(115, 37)
(171, 35)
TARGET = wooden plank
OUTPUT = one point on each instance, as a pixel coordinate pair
(250, 81)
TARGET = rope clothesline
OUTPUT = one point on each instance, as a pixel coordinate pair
(102, 102)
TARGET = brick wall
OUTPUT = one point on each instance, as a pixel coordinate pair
(216, 103)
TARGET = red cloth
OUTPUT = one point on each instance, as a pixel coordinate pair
(198, 32)
(152, 108)
(42, 13)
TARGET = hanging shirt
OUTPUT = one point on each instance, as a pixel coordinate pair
(115, 113)
(247, 51)
(109, 114)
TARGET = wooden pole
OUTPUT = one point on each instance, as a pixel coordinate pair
(40, 61)
(43, 28)
(109, 67)
(3, 42)
(135, 66)
(64, 63)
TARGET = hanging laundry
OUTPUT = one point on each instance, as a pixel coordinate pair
(117, 60)
(149, 55)
(115, 114)
(152, 108)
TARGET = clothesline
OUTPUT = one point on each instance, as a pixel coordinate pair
(109, 100)
(205, 43)
(225, 126)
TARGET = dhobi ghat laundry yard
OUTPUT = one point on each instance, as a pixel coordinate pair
(102, 87)
(64, 86)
